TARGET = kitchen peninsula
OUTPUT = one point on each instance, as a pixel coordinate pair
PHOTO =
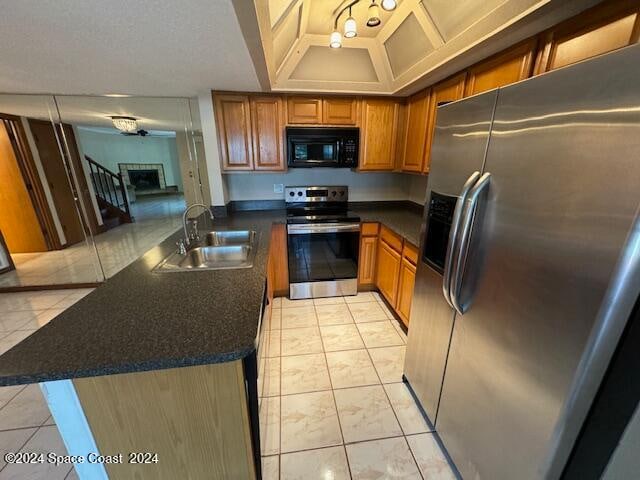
(167, 363)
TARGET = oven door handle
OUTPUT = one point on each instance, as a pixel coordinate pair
(307, 228)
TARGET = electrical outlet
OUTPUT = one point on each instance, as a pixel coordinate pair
(278, 188)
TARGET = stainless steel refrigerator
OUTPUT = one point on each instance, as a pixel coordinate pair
(528, 249)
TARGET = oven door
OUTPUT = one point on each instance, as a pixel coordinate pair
(323, 259)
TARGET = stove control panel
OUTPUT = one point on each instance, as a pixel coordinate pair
(336, 193)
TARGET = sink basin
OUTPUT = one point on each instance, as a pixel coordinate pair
(219, 250)
(229, 237)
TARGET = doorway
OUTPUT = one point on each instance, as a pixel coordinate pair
(25, 221)
(58, 181)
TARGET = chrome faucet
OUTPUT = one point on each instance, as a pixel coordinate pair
(187, 238)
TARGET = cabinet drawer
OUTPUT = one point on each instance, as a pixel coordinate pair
(392, 238)
(369, 229)
(410, 252)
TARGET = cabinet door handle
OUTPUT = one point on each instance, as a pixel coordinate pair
(453, 235)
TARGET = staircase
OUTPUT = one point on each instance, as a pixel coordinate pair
(111, 194)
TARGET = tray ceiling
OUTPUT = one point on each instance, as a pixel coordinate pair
(413, 44)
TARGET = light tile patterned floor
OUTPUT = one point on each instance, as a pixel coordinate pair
(25, 421)
(334, 403)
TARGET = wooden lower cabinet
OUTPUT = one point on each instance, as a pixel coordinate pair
(388, 271)
(195, 418)
(395, 269)
(405, 289)
(368, 255)
(278, 267)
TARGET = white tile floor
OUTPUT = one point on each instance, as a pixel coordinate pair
(335, 405)
(155, 219)
(25, 421)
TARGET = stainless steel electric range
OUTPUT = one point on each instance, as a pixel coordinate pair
(323, 240)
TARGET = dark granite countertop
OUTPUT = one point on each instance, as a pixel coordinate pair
(140, 320)
(403, 219)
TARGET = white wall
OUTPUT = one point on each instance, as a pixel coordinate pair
(418, 188)
(217, 183)
(362, 186)
(87, 176)
(111, 149)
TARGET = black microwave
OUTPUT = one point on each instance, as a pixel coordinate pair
(322, 147)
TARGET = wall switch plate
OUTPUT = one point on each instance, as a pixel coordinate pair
(278, 188)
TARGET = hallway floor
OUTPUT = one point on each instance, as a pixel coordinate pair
(334, 403)
(155, 219)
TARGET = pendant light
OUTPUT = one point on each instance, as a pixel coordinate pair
(350, 26)
(373, 19)
(389, 5)
(336, 39)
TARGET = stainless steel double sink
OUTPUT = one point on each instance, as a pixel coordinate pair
(219, 250)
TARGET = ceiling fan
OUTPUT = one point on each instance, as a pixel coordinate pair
(141, 133)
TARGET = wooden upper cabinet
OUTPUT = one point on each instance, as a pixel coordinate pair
(234, 131)
(441, 93)
(305, 110)
(507, 67)
(599, 30)
(267, 126)
(340, 111)
(378, 126)
(415, 131)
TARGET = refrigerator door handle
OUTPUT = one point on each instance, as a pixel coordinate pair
(465, 236)
(453, 235)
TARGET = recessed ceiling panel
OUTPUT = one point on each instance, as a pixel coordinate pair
(452, 18)
(286, 35)
(407, 45)
(342, 64)
(323, 13)
(277, 9)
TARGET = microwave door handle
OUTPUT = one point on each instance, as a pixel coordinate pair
(453, 235)
(465, 238)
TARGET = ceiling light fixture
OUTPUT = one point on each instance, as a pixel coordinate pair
(389, 5)
(350, 25)
(125, 124)
(374, 15)
(336, 39)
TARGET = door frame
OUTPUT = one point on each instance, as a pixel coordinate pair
(31, 178)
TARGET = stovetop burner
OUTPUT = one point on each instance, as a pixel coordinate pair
(326, 204)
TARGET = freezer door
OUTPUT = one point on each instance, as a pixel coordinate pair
(563, 191)
(459, 149)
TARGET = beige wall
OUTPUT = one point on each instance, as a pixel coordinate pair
(362, 186)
